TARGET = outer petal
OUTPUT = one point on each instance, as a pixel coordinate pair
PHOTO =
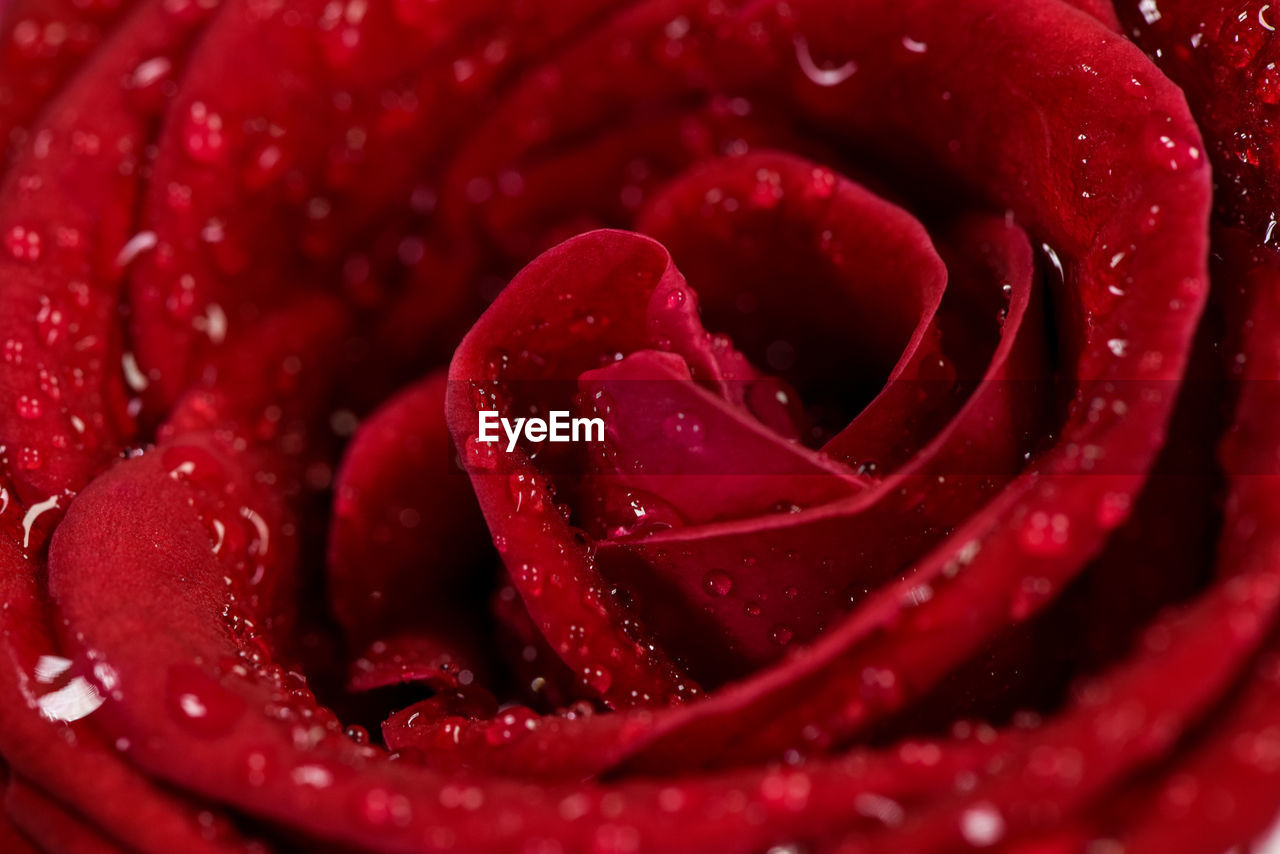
(50, 825)
(62, 387)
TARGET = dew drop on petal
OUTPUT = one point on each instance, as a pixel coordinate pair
(200, 704)
(1031, 595)
(1045, 533)
(598, 679)
(255, 768)
(203, 136)
(481, 455)
(312, 775)
(526, 492)
(822, 183)
(717, 583)
(30, 458)
(143, 241)
(1113, 509)
(822, 76)
(982, 825)
(529, 577)
(267, 163)
(149, 72)
(685, 428)
(28, 407)
(379, 807)
(22, 243)
(1175, 154)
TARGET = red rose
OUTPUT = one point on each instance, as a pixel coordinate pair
(925, 495)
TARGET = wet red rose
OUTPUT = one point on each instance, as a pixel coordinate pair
(933, 351)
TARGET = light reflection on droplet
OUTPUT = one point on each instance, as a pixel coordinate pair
(76, 700)
(34, 512)
(822, 76)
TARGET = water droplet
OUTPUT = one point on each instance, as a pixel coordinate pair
(529, 577)
(633, 513)
(775, 406)
(675, 298)
(767, 192)
(200, 704)
(212, 323)
(1240, 40)
(313, 775)
(1175, 154)
(1267, 84)
(379, 807)
(13, 352)
(526, 492)
(1118, 346)
(30, 458)
(597, 679)
(203, 135)
(790, 789)
(78, 699)
(340, 41)
(143, 241)
(982, 825)
(781, 635)
(1032, 594)
(822, 183)
(881, 687)
(133, 375)
(684, 427)
(1045, 533)
(150, 72)
(23, 243)
(34, 512)
(822, 76)
(717, 583)
(1113, 509)
(255, 768)
(267, 163)
(481, 455)
(510, 725)
(28, 407)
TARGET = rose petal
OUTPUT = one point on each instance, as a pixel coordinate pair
(63, 413)
(552, 571)
(50, 825)
(809, 274)
(407, 549)
(678, 440)
(50, 42)
(329, 786)
(253, 184)
(1001, 544)
(71, 758)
